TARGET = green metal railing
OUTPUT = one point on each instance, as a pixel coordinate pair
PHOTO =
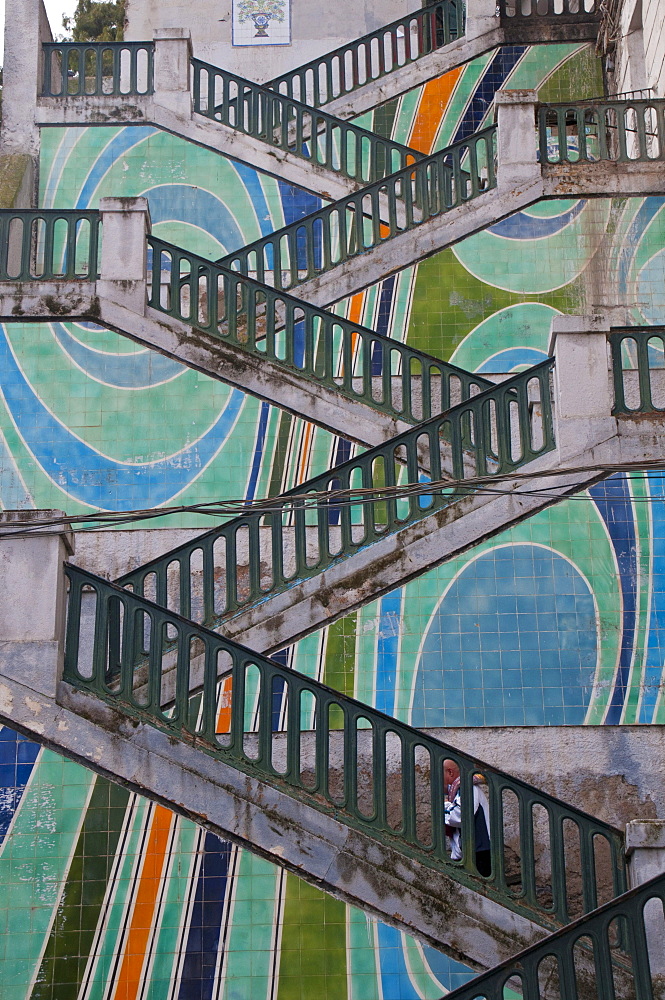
(606, 955)
(362, 365)
(378, 212)
(561, 11)
(49, 244)
(637, 353)
(307, 530)
(286, 124)
(373, 56)
(95, 69)
(624, 131)
(202, 688)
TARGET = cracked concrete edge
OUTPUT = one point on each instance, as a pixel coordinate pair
(349, 864)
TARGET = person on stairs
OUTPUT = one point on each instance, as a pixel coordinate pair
(453, 816)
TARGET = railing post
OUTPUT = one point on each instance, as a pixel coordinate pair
(583, 394)
(645, 853)
(173, 53)
(125, 224)
(26, 27)
(481, 17)
(32, 617)
(517, 145)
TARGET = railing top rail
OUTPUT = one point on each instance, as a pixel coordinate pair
(300, 492)
(50, 213)
(305, 306)
(149, 44)
(621, 332)
(367, 190)
(604, 102)
(393, 26)
(414, 735)
(261, 88)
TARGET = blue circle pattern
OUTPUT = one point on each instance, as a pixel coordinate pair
(513, 643)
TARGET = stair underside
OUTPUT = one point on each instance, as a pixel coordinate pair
(587, 180)
(348, 864)
(136, 110)
(453, 55)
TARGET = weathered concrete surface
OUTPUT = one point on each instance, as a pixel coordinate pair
(394, 560)
(136, 110)
(645, 851)
(588, 180)
(285, 387)
(317, 847)
(17, 180)
(314, 30)
(606, 770)
(26, 27)
(32, 611)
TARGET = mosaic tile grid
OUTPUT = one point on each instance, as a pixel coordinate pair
(556, 621)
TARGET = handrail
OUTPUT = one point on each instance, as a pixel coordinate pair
(374, 55)
(125, 666)
(49, 245)
(296, 128)
(94, 69)
(622, 131)
(608, 950)
(637, 343)
(355, 224)
(329, 350)
(305, 531)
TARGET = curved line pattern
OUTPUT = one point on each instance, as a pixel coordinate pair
(143, 370)
(120, 144)
(523, 226)
(195, 207)
(87, 475)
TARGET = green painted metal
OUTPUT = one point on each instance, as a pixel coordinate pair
(601, 956)
(326, 349)
(49, 244)
(623, 131)
(98, 69)
(265, 552)
(644, 347)
(556, 11)
(354, 225)
(167, 671)
(287, 124)
(373, 56)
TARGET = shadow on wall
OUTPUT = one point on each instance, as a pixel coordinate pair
(513, 642)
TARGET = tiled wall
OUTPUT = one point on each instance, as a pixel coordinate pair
(104, 895)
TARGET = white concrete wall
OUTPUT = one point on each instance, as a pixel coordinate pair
(316, 28)
(640, 54)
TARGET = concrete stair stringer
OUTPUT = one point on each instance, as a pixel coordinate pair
(350, 865)
(394, 560)
(414, 74)
(187, 344)
(588, 180)
(202, 131)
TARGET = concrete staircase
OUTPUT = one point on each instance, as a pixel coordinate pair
(386, 63)
(345, 796)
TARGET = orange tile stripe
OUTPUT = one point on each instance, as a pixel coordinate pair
(433, 101)
(225, 702)
(152, 869)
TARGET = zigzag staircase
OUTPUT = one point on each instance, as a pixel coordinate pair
(384, 64)
(271, 125)
(329, 787)
(614, 952)
(347, 797)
